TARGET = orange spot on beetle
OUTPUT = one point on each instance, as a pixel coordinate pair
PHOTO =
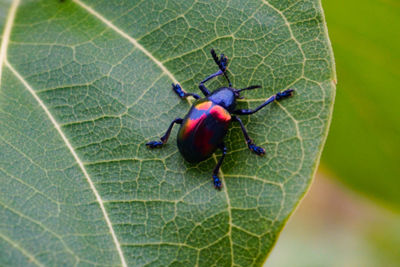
(204, 106)
(220, 113)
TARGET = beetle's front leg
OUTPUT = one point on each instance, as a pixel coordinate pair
(217, 181)
(256, 149)
(222, 63)
(182, 94)
(203, 88)
(164, 138)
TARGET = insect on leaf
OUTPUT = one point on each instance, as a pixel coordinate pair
(85, 84)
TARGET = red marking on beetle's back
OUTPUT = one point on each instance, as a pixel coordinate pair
(191, 124)
(202, 140)
(220, 113)
(204, 106)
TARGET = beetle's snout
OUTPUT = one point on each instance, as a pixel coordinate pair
(237, 94)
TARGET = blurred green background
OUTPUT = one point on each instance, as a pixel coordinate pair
(351, 217)
(363, 147)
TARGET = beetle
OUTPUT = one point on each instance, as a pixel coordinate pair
(203, 129)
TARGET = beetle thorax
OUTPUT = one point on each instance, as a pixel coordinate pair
(224, 97)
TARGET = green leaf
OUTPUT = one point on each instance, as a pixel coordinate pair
(85, 84)
(363, 147)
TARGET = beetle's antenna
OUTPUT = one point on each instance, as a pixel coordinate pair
(222, 63)
(249, 88)
(229, 81)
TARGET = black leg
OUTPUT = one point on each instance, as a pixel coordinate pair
(182, 94)
(203, 88)
(217, 181)
(278, 96)
(256, 149)
(222, 63)
(164, 138)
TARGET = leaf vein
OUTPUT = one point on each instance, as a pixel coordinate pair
(78, 160)
(129, 38)
(23, 251)
(40, 224)
(6, 35)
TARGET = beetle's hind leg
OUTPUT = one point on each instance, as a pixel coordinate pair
(217, 181)
(256, 149)
(164, 138)
(182, 94)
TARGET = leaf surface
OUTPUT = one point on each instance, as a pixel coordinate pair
(85, 84)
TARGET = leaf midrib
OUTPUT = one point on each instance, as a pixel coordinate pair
(126, 36)
(6, 34)
(4, 62)
(77, 159)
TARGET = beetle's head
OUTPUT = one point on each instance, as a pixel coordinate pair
(225, 97)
